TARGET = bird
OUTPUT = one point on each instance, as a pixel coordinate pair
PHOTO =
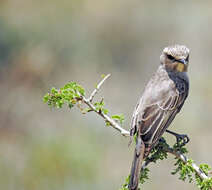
(161, 100)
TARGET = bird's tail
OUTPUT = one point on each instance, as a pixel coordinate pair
(137, 163)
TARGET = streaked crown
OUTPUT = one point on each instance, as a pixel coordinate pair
(177, 51)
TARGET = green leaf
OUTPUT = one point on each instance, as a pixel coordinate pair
(120, 118)
(205, 168)
(125, 185)
(144, 175)
(205, 184)
(46, 98)
(158, 152)
(105, 111)
(67, 86)
(107, 123)
(116, 117)
(99, 106)
(53, 90)
(103, 75)
(70, 105)
(60, 103)
(80, 90)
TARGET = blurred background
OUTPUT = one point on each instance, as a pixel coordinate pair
(49, 43)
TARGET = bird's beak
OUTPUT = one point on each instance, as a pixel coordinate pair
(183, 61)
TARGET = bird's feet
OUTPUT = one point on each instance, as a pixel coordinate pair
(182, 139)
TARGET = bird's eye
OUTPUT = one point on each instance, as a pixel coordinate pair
(187, 58)
(170, 57)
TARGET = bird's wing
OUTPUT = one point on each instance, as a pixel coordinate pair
(153, 119)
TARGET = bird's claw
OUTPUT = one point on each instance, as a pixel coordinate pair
(182, 139)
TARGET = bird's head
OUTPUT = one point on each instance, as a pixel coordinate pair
(175, 58)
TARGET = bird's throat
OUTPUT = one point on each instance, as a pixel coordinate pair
(180, 67)
(176, 67)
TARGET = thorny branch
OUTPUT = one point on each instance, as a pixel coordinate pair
(90, 99)
(198, 171)
(184, 159)
(111, 121)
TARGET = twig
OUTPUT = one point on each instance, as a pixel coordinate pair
(114, 124)
(111, 121)
(90, 99)
(182, 157)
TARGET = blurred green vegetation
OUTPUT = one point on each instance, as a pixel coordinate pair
(55, 163)
(48, 43)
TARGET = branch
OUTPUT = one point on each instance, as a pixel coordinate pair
(90, 99)
(111, 121)
(183, 158)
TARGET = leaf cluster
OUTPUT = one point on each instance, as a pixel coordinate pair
(186, 170)
(158, 152)
(100, 107)
(70, 94)
(119, 118)
(125, 185)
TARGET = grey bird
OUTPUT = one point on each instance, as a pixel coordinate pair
(162, 99)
